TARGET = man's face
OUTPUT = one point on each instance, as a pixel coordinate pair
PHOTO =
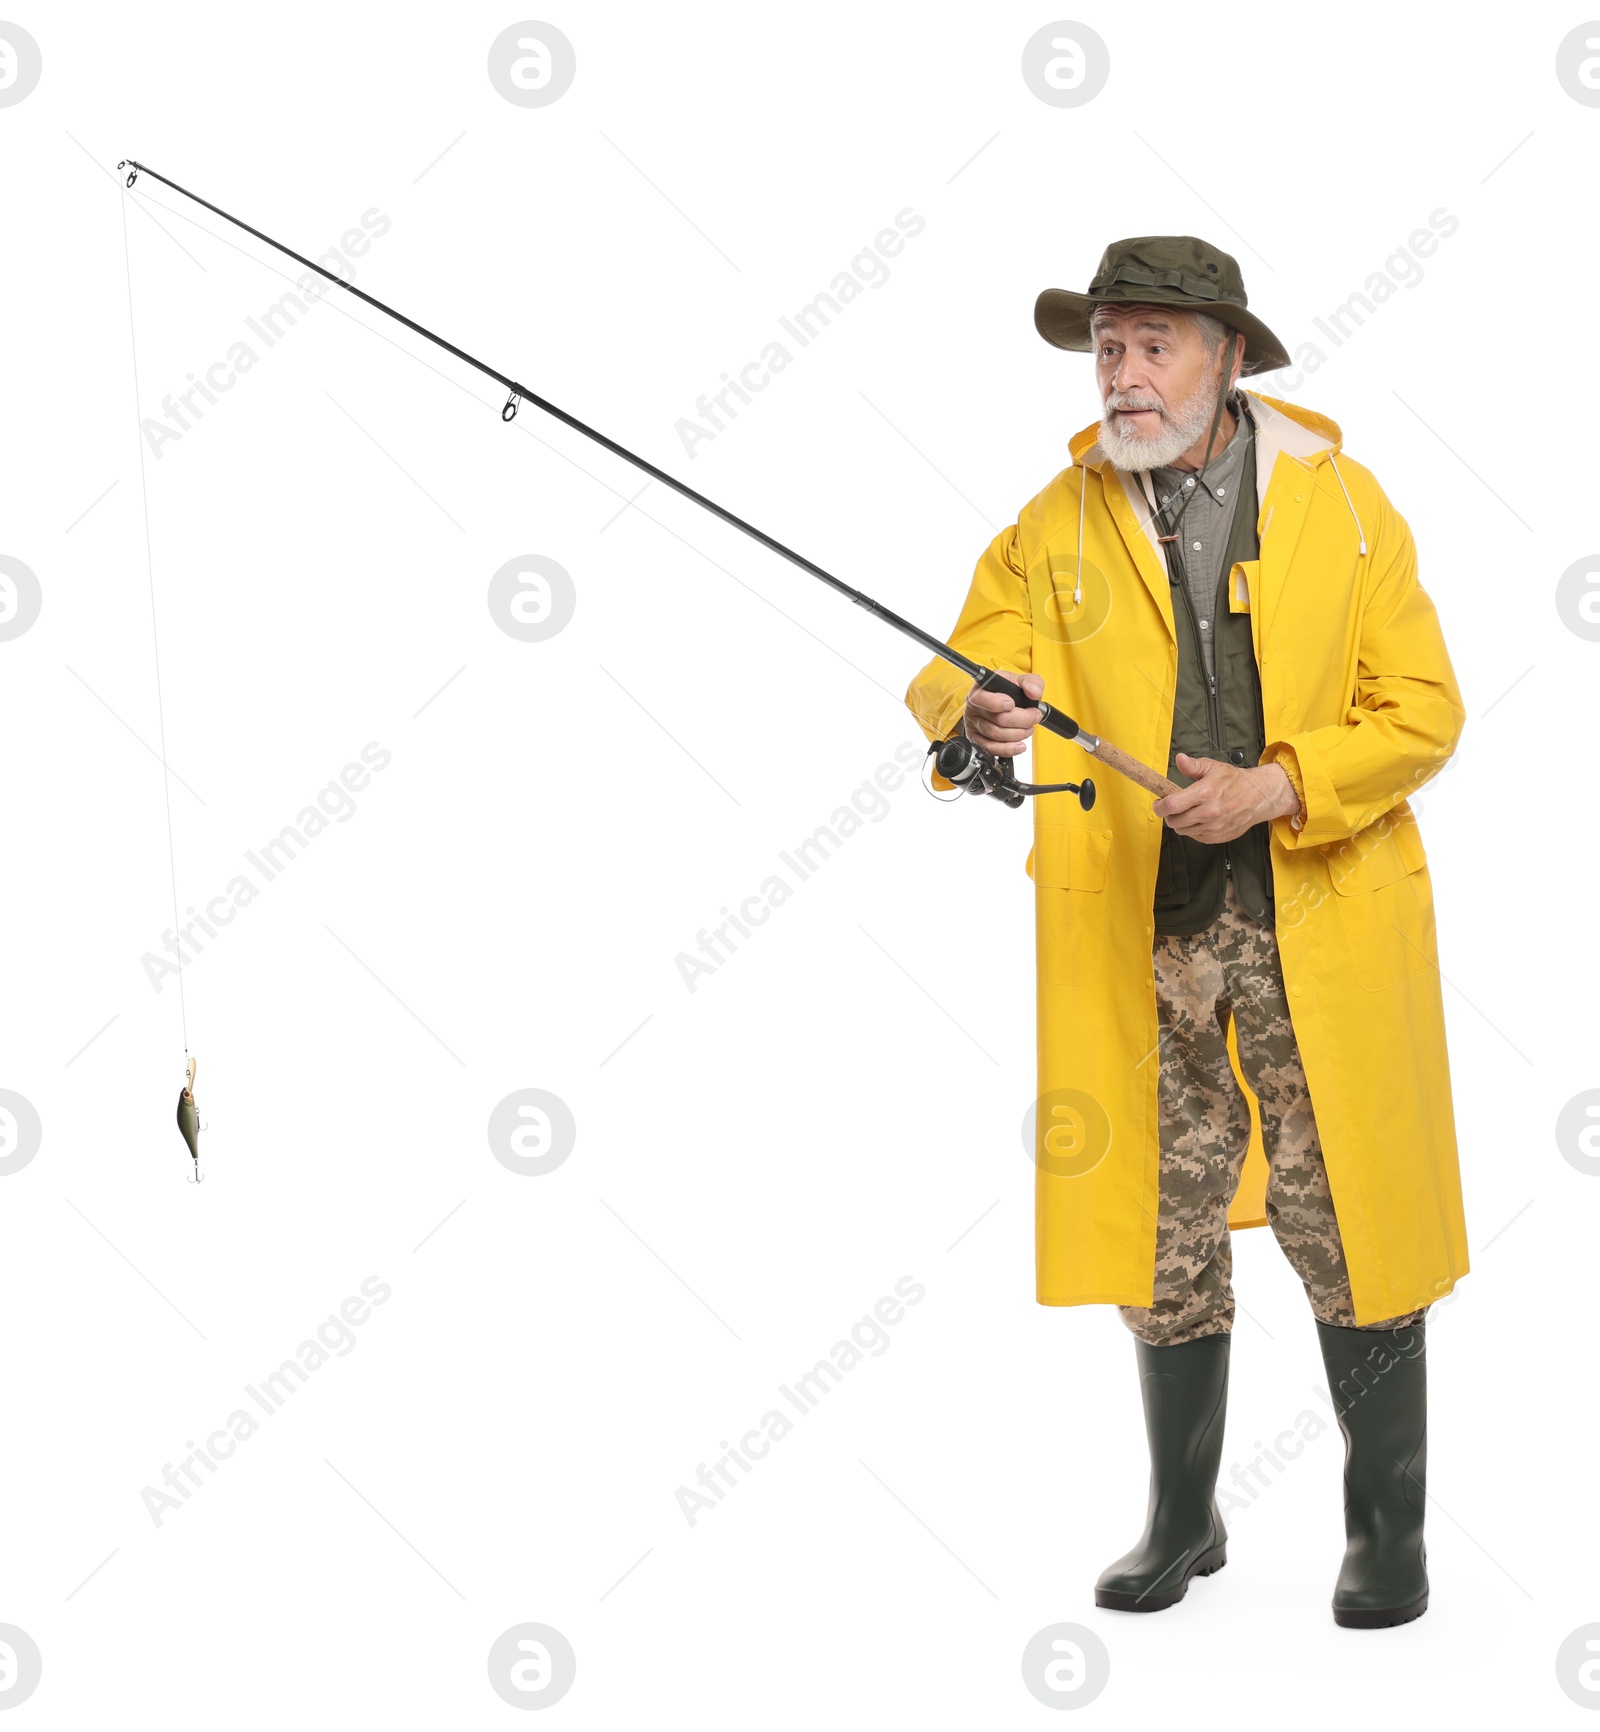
(1157, 384)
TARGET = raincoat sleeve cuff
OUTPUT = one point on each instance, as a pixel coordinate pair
(1320, 816)
(939, 708)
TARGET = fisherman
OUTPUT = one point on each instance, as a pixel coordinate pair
(1219, 588)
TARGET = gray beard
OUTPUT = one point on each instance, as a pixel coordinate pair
(1180, 428)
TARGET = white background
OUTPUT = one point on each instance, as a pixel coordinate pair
(841, 1101)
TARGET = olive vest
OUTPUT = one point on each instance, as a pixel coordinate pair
(1220, 719)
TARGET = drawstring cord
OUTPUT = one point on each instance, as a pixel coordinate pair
(1361, 534)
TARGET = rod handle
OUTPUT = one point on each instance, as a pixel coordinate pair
(1116, 759)
(1059, 722)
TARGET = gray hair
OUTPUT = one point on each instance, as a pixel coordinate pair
(1212, 331)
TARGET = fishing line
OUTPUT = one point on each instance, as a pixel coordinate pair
(155, 637)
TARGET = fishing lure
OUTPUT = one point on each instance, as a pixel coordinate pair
(189, 1122)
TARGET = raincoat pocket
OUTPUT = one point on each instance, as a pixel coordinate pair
(1385, 900)
(1070, 856)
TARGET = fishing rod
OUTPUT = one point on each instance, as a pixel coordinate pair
(959, 760)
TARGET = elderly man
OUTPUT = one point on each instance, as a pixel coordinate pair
(1238, 993)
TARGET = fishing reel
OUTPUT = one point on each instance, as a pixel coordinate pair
(975, 771)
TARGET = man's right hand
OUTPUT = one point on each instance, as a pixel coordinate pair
(993, 721)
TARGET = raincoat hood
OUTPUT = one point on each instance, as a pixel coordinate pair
(1303, 435)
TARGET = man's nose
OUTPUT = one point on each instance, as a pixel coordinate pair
(1129, 375)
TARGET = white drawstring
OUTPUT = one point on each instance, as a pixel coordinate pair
(1360, 533)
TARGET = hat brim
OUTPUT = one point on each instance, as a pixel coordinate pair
(1061, 317)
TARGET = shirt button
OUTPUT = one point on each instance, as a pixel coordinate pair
(1197, 547)
(1237, 755)
(1298, 991)
(1204, 623)
(1222, 493)
(1189, 482)
(1298, 498)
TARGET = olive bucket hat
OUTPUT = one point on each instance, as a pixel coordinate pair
(1161, 271)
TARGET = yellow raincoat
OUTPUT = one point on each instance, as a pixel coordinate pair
(1361, 708)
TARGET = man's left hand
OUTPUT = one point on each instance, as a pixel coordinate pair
(1223, 800)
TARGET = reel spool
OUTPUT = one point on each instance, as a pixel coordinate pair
(976, 771)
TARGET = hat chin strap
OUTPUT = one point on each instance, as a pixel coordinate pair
(1222, 398)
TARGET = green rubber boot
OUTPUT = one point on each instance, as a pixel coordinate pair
(1379, 1381)
(1185, 1392)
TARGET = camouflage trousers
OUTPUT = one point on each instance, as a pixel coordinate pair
(1231, 969)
